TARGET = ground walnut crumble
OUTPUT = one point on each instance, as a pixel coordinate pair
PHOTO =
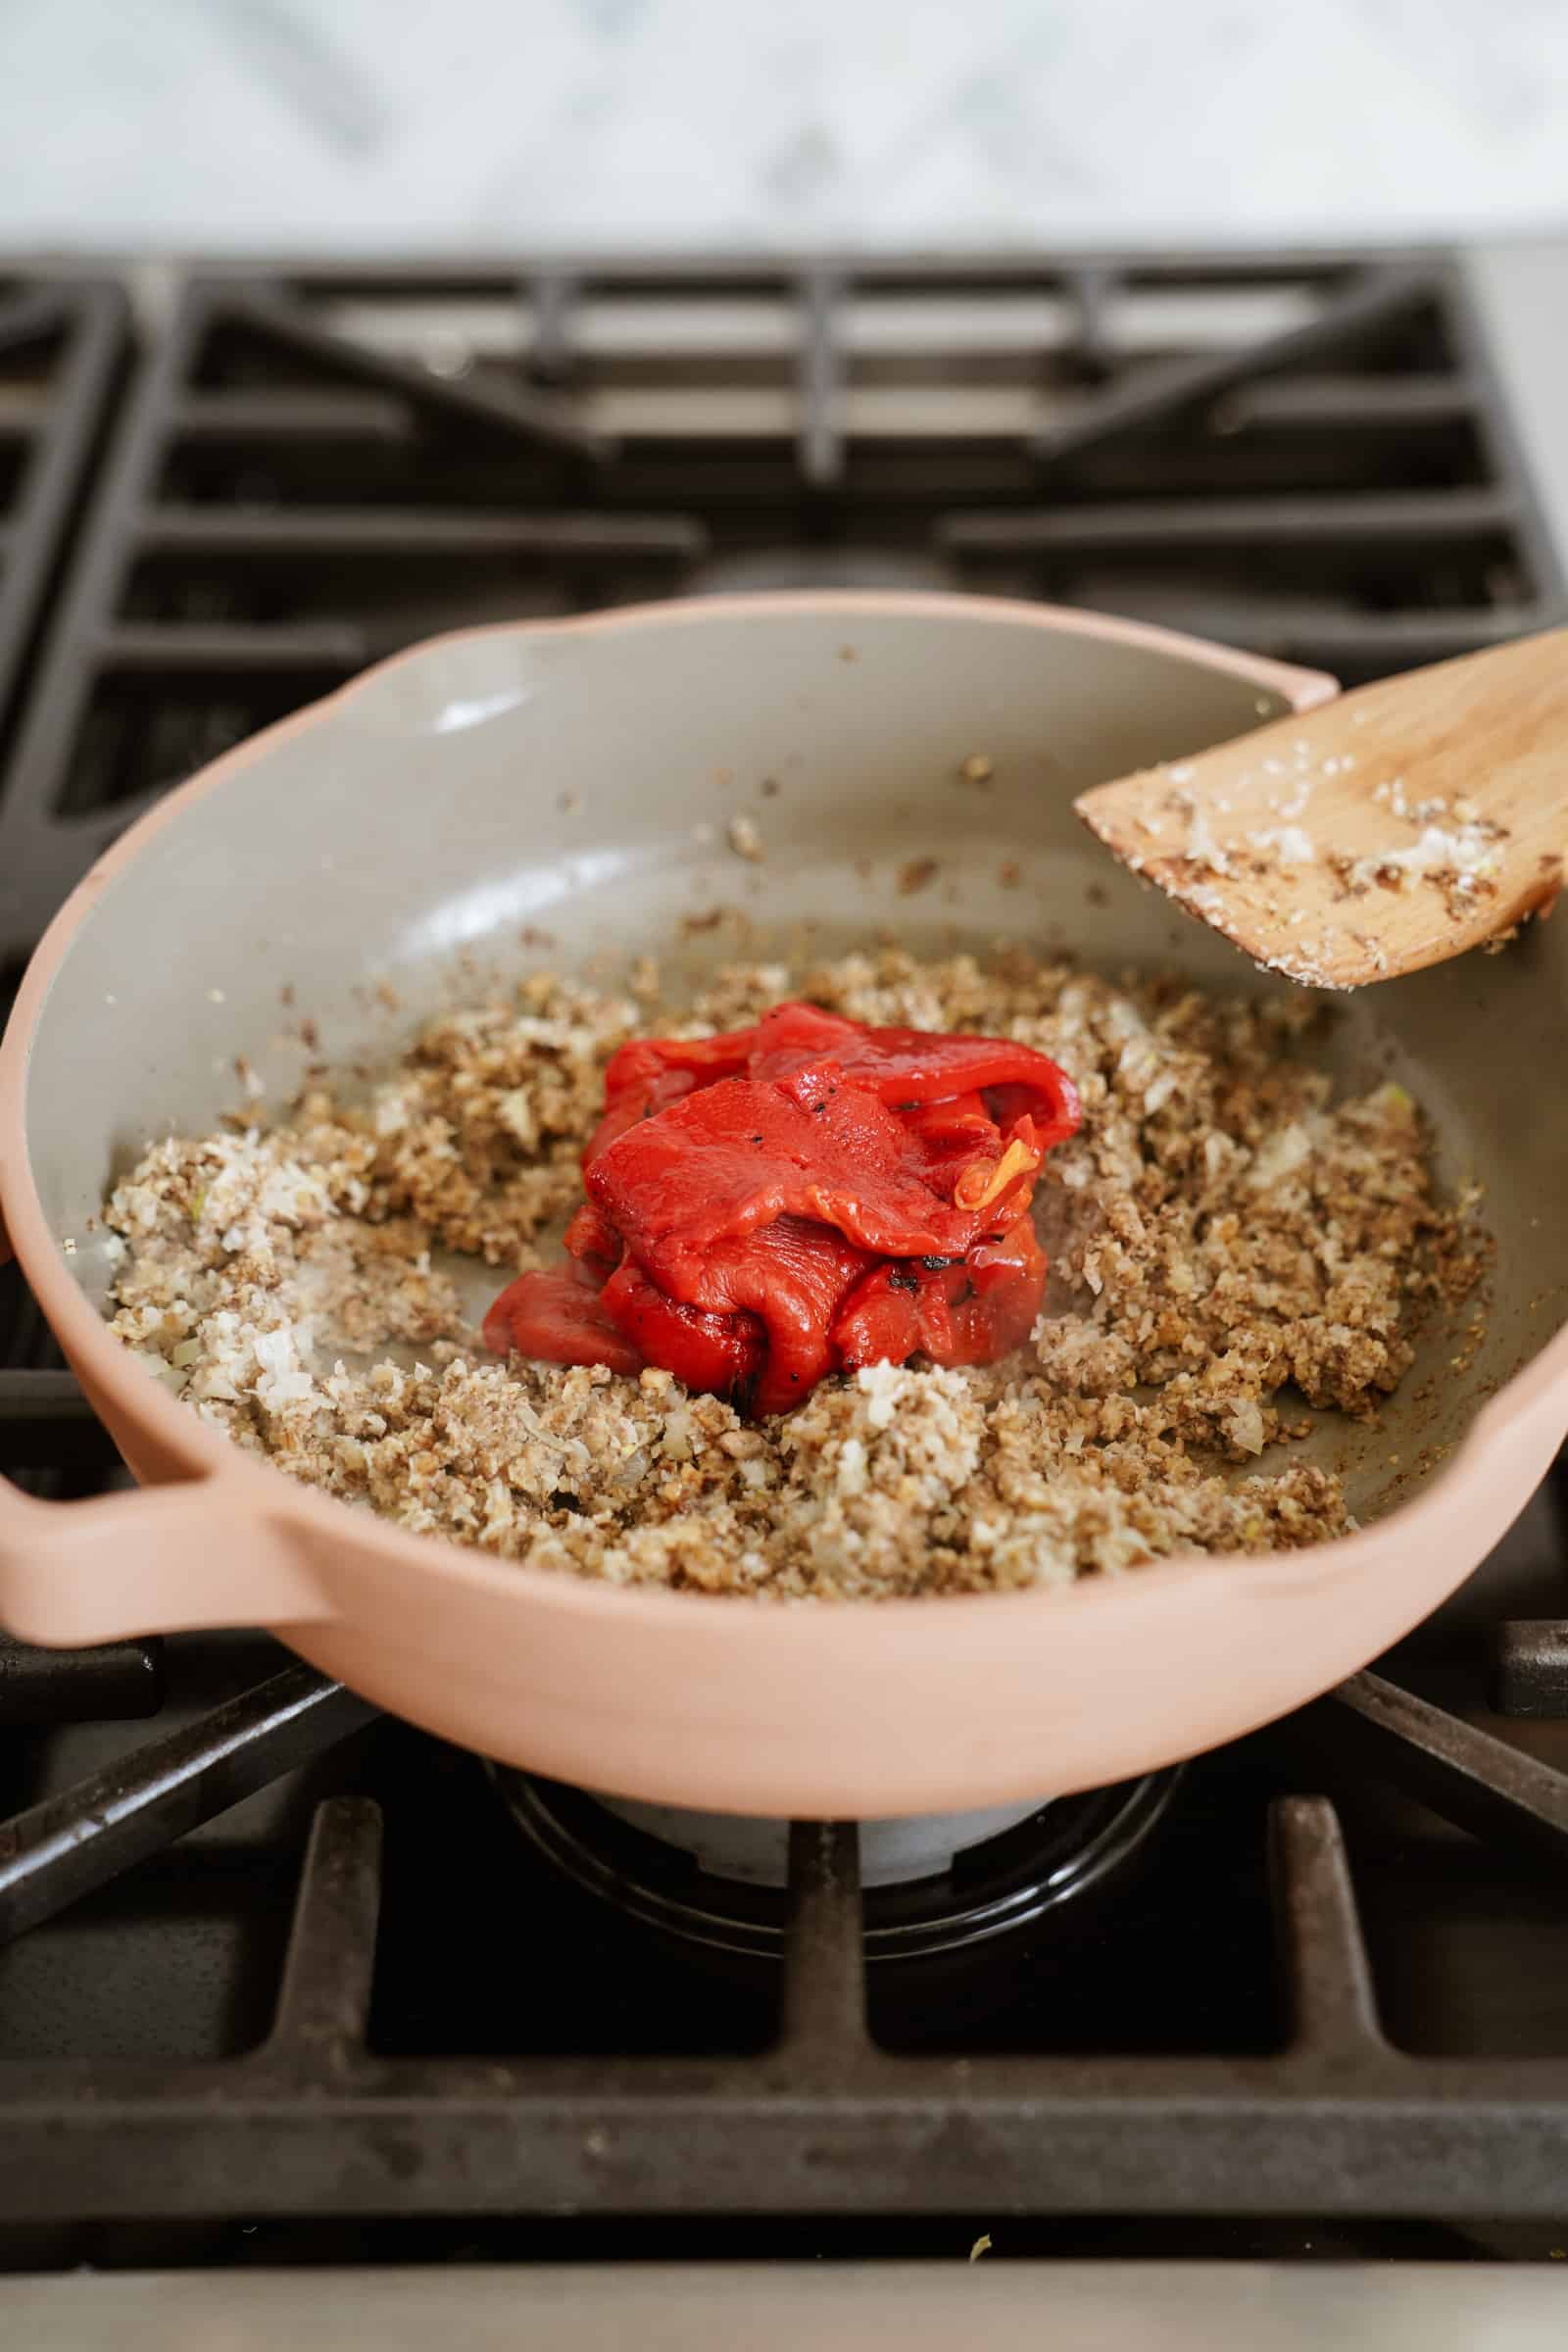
(1223, 1236)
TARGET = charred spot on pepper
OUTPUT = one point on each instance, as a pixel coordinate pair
(901, 1278)
(940, 1265)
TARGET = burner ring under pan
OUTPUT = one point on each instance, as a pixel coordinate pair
(1039, 1865)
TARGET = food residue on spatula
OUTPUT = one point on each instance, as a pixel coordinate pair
(800, 1197)
(1437, 822)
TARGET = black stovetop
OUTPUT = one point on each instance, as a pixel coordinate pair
(282, 1981)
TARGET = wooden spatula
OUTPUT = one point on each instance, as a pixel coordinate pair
(1388, 830)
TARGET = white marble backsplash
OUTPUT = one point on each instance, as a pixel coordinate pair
(387, 125)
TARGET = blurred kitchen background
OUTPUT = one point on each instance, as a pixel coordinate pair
(394, 126)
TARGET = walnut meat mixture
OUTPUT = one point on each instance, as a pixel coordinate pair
(1225, 1239)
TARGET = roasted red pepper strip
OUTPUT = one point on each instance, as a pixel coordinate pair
(637, 1065)
(802, 1196)
(969, 1313)
(737, 1155)
(647, 1075)
(723, 1353)
(593, 1240)
(792, 1275)
(903, 1067)
(1007, 1276)
(636, 1103)
(559, 1317)
(907, 1066)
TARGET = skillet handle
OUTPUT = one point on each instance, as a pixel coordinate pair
(163, 1560)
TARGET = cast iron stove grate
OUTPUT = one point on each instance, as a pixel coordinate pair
(61, 345)
(312, 467)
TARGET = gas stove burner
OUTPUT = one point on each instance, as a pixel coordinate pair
(931, 1886)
